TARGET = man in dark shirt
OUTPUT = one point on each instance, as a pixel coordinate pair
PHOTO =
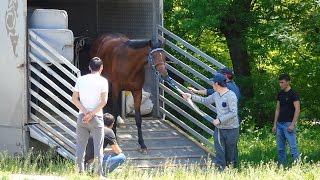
(112, 157)
(286, 116)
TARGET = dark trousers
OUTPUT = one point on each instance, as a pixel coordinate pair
(225, 144)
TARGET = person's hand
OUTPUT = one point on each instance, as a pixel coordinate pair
(216, 122)
(186, 96)
(87, 117)
(192, 89)
(274, 129)
(290, 128)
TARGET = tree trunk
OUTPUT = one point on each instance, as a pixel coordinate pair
(240, 60)
(234, 26)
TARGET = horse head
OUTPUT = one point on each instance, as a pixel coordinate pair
(157, 59)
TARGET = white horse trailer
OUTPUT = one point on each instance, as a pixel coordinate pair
(29, 34)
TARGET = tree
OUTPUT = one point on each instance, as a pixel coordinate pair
(262, 39)
(227, 18)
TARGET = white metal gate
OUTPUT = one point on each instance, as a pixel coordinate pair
(182, 110)
(48, 118)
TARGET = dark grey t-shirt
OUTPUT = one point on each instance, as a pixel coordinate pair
(109, 138)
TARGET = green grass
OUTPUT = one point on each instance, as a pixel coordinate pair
(259, 145)
(257, 148)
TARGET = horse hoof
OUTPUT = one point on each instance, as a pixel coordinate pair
(144, 151)
(120, 122)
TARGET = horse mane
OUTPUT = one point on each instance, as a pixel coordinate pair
(138, 43)
(141, 43)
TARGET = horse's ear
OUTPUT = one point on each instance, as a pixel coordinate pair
(162, 43)
(156, 43)
(150, 43)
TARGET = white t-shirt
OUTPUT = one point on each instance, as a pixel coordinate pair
(90, 87)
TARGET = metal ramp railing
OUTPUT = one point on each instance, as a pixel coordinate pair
(51, 86)
(168, 99)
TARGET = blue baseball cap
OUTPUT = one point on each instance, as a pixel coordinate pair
(220, 78)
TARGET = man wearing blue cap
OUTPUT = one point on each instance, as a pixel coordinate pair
(230, 84)
(226, 133)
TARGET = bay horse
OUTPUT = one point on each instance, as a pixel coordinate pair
(123, 65)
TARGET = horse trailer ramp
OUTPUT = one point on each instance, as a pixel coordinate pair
(167, 145)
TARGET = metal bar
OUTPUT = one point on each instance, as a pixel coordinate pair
(189, 56)
(190, 138)
(58, 65)
(186, 67)
(53, 131)
(56, 110)
(57, 99)
(159, 148)
(171, 93)
(164, 157)
(54, 52)
(38, 134)
(51, 72)
(194, 49)
(151, 138)
(157, 104)
(184, 77)
(52, 119)
(186, 115)
(48, 81)
(186, 127)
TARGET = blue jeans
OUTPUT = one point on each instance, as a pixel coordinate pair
(112, 161)
(284, 136)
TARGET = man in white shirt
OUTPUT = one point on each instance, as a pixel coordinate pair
(90, 95)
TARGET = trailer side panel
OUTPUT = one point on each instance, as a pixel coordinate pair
(13, 76)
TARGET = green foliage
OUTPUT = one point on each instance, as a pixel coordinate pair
(284, 38)
(259, 144)
(281, 37)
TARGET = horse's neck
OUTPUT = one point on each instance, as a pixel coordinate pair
(141, 56)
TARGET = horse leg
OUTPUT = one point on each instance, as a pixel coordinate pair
(137, 95)
(115, 106)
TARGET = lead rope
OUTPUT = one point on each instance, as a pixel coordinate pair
(194, 106)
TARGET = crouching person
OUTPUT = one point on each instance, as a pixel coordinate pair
(112, 158)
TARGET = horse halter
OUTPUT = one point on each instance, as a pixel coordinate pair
(152, 62)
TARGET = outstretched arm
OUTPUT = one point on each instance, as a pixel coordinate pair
(198, 91)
